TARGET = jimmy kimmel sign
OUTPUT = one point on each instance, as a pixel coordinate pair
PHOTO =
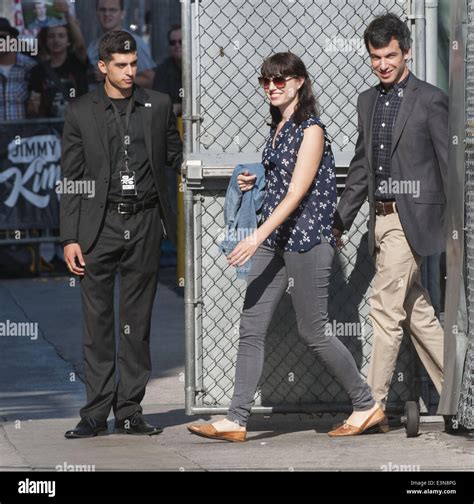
(29, 170)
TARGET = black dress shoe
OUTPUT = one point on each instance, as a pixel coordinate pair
(135, 424)
(86, 429)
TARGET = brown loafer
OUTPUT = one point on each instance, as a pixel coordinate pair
(377, 417)
(383, 427)
(208, 431)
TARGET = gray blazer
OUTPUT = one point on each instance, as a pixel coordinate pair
(419, 154)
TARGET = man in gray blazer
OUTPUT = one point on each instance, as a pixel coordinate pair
(400, 165)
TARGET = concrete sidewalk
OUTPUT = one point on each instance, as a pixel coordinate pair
(41, 392)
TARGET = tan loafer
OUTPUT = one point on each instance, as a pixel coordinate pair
(377, 417)
(208, 431)
(383, 427)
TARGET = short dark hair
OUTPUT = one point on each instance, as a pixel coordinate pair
(117, 41)
(173, 28)
(383, 29)
(122, 5)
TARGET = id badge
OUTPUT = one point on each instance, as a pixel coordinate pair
(128, 183)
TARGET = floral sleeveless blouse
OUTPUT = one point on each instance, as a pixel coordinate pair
(314, 216)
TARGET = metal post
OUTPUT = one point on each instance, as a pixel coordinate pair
(455, 306)
(189, 295)
(420, 39)
(432, 41)
(186, 27)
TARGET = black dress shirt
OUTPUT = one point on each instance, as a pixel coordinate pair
(138, 156)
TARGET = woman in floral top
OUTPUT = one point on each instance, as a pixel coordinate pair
(292, 251)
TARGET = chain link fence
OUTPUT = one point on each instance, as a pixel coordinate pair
(466, 402)
(233, 38)
(293, 379)
(229, 43)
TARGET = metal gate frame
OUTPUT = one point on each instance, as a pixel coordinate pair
(458, 387)
(206, 172)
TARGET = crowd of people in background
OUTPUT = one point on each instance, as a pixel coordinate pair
(39, 84)
(64, 68)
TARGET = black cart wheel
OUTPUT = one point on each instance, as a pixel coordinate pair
(412, 418)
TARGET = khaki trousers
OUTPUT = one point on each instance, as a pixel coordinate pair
(399, 300)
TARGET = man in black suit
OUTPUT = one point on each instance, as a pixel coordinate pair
(118, 139)
(401, 166)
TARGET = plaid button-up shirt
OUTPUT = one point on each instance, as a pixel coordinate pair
(386, 112)
(14, 89)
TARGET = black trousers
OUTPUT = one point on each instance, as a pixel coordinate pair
(129, 245)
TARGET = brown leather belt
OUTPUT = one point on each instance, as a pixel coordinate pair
(385, 207)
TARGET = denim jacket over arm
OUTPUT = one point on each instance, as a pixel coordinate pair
(242, 210)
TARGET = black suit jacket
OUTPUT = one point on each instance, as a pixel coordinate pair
(419, 153)
(86, 156)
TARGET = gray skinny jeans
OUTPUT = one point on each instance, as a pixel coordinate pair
(267, 281)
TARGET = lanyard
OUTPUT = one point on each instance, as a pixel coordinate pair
(124, 133)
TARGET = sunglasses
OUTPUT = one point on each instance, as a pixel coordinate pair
(279, 82)
(174, 42)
